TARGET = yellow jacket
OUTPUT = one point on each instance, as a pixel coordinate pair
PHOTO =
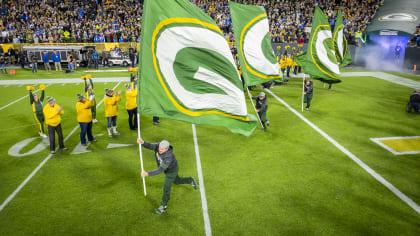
(52, 117)
(111, 106)
(131, 99)
(283, 63)
(289, 61)
(84, 113)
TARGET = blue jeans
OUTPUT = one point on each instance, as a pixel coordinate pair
(3, 67)
(413, 105)
(113, 120)
(71, 67)
(34, 67)
(96, 63)
(85, 128)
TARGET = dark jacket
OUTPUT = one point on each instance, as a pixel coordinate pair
(165, 162)
(309, 88)
(415, 97)
(261, 105)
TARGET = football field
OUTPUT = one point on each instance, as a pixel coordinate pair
(297, 178)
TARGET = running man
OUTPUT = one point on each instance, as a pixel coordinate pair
(37, 107)
(166, 162)
(261, 108)
(308, 92)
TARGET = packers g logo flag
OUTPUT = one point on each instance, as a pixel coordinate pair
(253, 41)
(340, 42)
(187, 71)
(319, 61)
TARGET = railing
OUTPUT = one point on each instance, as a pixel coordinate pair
(99, 46)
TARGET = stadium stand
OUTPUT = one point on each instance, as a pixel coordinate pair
(71, 21)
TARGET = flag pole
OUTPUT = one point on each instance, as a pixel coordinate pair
(253, 106)
(303, 89)
(141, 154)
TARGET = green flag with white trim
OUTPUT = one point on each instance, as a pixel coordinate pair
(253, 41)
(340, 42)
(187, 71)
(319, 61)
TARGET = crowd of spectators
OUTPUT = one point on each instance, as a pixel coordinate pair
(290, 20)
(61, 21)
(65, 21)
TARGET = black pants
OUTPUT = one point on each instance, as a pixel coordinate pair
(171, 176)
(51, 133)
(132, 118)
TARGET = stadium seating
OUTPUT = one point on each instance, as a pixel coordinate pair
(67, 21)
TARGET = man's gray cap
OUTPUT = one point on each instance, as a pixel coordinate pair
(164, 144)
(261, 95)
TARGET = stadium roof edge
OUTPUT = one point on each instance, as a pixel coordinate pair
(396, 18)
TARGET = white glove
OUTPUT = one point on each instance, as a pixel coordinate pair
(91, 97)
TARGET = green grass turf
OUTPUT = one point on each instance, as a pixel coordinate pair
(289, 180)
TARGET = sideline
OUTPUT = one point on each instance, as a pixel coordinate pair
(379, 75)
(369, 170)
(201, 183)
(62, 81)
(1, 108)
(11, 196)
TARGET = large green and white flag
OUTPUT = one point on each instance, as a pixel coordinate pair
(253, 41)
(340, 42)
(187, 71)
(319, 61)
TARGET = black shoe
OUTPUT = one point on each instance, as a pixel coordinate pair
(194, 184)
(268, 123)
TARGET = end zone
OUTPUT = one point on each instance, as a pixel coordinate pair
(400, 145)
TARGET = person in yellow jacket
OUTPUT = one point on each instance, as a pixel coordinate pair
(131, 105)
(84, 117)
(111, 110)
(53, 113)
(285, 63)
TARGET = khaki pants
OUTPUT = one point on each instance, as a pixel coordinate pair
(57, 66)
(47, 66)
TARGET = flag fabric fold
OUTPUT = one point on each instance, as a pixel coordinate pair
(253, 42)
(340, 42)
(319, 61)
(187, 71)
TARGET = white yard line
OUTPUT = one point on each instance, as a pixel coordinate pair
(11, 196)
(62, 81)
(15, 101)
(369, 170)
(380, 75)
(201, 183)
(96, 71)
